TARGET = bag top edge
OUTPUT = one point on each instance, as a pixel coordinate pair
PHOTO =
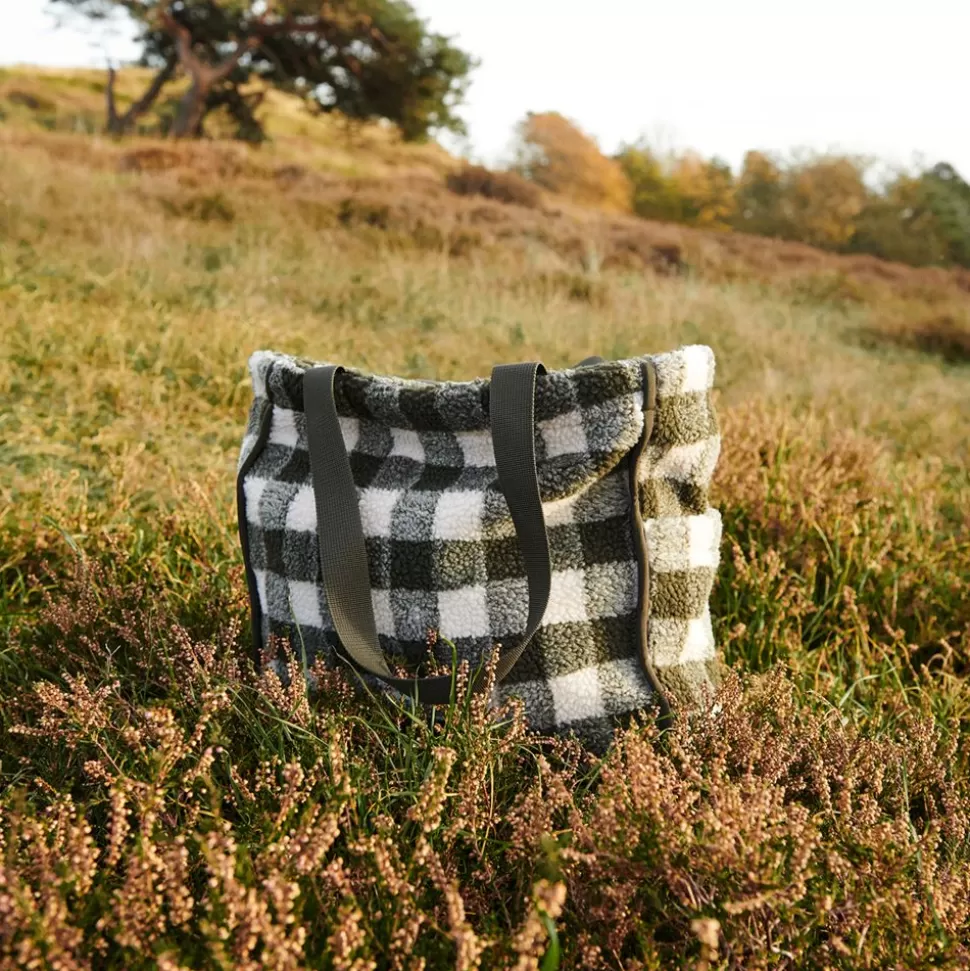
(689, 368)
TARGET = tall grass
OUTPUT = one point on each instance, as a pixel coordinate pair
(164, 805)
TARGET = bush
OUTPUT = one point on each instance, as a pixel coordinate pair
(151, 159)
(205, 207)
(945, 334)
(555, 154)
(476, 180)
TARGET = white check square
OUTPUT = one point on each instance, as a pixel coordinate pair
(698, 369)
(282, 429)
(560, 512)
(567, 599)
(253, 489)
(463, 613)
(699, 643)
(350, 429)
(458, 515)
(564, 435)
(304, 604)
(704, 541)
(383, 614)
(301, 516)
(376, 509)
(577, 696)
(476, 448)
(407, 443)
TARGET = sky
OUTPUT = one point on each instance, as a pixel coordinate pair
(885, 78)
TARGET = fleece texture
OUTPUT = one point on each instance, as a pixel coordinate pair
(441, 544)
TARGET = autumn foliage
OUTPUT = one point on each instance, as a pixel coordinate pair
(826, 200)
(554, 153)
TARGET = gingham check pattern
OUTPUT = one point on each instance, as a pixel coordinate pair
(441, 546)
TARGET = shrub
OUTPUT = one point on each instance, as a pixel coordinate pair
(204, 207)
(508, 187)
(944, 334)
(152, 159)
(30, 101)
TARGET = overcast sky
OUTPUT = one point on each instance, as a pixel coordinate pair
(889, 78)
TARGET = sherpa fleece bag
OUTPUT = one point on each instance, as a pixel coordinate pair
(561, 515)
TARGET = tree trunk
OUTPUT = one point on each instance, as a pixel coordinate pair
(118, 124)
(204, 76)
(242, 109)
(192, 108)
(111, 123)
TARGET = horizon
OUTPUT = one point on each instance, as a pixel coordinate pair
(713, 101)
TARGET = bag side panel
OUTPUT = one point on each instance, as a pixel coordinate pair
(683, 531)
(254, 440)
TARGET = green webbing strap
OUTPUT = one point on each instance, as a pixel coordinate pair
(512, 411)
(343, 552)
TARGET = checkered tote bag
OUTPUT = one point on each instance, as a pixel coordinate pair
(561, 515)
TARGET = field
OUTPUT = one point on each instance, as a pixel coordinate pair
(163, 805)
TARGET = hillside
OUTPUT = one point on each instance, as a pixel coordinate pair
(164, 806)
(73, 101)
(400, 187)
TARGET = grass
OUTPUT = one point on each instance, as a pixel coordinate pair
(164, 805)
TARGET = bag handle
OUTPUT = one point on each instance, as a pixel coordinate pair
(343, 552)
(512, 411)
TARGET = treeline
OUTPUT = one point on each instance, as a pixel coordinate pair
(826, 200)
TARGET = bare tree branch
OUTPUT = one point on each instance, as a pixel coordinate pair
(111, 125)
(118, 124)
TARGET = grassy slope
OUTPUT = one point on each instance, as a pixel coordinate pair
(38, 99)
(823, 820)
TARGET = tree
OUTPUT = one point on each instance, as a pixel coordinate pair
(945, 195)
(364, 58)
(679, 188)
(816, 199)
(824, 196)
(654, 194)
(554, 153)
(897, 225)
(706, 188)
(759, 197)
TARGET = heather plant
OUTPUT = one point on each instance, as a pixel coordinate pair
(165, 803)
(476, 180)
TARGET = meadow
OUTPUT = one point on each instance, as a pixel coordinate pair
(164, 805)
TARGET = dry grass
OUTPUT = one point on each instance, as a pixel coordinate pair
(37, 100)
(162, 805)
